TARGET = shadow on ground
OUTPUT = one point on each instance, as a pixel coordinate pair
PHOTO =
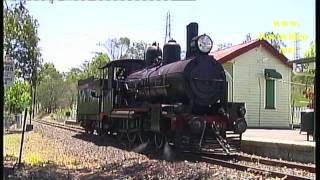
(43, 171)
(168, 153)
(118, 172)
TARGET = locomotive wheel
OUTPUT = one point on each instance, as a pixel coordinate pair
(100, 132)
(90, 131)
(120, 136)
(143, 137)
(131, 137)
(159, 140)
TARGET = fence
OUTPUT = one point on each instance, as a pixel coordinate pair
(12, 121)
(296, 115)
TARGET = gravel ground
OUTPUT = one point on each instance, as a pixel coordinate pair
(95, 157)
(292, 171)
(255, 156)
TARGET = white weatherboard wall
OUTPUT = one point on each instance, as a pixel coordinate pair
(247, 71)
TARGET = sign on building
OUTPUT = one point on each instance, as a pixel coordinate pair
(8, 74)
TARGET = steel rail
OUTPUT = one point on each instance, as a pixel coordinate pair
(60, 125)
(273, 162)
(265, 172)
(241, 167)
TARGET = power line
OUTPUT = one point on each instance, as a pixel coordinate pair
(294, 83)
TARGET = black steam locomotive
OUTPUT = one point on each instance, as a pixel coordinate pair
(164, 98)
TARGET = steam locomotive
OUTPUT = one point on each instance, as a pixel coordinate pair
(164, 98)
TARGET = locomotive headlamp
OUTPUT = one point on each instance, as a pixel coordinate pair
(202, 44)
(241, 111)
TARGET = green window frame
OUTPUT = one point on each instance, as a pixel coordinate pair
(270, 94)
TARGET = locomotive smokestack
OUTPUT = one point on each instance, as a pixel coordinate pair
(192, 31)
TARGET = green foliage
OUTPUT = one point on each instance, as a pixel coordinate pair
(11, 144)
(59, 91)
(41, 115)
(21, 41)
(92, 68)
(17, 97)
(60, 115)
(311, 52)
(51, 88)
(9, 120)
(71, 82)
(124, 44)
(136, 51)
(274, 39)
(123, 48)
(306, 77)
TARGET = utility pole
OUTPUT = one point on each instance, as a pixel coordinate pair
(22, 138)
(296, 53)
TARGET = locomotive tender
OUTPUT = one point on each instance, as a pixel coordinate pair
(164, 98)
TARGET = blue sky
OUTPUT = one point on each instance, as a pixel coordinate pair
(70, 30)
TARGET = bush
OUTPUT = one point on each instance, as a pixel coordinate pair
(9, 120)
(52, 116)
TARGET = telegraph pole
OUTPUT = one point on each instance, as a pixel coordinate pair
(22, 138)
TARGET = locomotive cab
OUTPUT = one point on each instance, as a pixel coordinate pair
(116, 72)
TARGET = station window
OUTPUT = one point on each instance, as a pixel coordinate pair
(270, 94)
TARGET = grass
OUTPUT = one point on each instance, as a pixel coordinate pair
(37, 150)
(41, 115)
(46, 150)
(12, 145)
(35, 159)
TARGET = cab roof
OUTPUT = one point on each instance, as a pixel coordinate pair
(124, 63)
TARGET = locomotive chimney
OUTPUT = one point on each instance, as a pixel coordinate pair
(192, 31)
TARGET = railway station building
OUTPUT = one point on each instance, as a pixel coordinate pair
(258, 75)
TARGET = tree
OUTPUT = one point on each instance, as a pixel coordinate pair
(71, 83)
(136, 51)
(17, 97)
(311, 52)
(124, 44)
(122, 48)
(224, 45)
(302, 93)
(92, 68)
(116, 47)
(21, 42)
(51, 88)
(274, 40)
(248, 38)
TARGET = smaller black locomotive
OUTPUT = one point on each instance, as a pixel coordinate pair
(164, 98)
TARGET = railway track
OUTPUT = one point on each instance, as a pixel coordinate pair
(61, 125)
(278, 163)
(234, 164)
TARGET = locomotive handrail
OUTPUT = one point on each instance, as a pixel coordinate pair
(219, 80)
(154, 87)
